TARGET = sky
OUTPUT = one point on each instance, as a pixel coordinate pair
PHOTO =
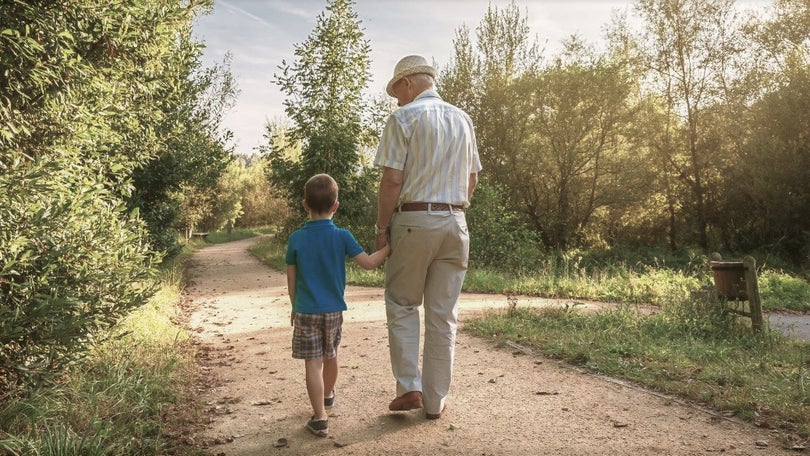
(259, 34)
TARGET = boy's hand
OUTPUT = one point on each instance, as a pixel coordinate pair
(292, 318)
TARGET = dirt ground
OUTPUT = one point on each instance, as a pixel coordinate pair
(502, 402)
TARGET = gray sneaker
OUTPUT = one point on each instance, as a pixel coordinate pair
(318, 427)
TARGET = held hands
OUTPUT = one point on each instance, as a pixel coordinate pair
(381, 238)
(292, 318)
(381, 241)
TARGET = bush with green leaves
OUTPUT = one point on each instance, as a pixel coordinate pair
(72, 262)
(88, 92)
(500, 239)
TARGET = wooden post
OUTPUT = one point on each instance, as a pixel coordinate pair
(752, 289)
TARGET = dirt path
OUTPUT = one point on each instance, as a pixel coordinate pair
(502, 402)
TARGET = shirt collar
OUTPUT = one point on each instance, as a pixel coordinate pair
(320, 222)
(429, 93)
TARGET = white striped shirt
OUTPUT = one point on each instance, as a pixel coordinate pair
(433, 143)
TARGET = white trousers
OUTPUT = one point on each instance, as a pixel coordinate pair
(427, 264)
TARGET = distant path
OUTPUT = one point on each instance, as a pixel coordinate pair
(503, 402)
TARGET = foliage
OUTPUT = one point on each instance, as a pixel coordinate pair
(71, 264)
(77, 113)
(550, 135)
(328, 114)
(261, 203)
(581, 106)
(768, 206)
(686, 129)
(500, 239)
(131, 395)
(180, 187)
(227, 204)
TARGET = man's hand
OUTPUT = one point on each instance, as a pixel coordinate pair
(292, 318)
(380, 240)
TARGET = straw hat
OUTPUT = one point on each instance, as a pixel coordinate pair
(408, 65)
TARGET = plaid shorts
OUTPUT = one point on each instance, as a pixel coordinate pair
(316, 335)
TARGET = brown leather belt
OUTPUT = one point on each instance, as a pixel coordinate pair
(429, 207)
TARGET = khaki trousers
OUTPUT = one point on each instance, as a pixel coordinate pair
(427, 265)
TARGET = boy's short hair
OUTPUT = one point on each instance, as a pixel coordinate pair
(320, 193)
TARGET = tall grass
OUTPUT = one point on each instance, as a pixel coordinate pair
(128, 397)
(573, 276)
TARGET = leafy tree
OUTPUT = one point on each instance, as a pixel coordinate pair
(483, 78)
(581, 106)
(328, 114)
(687, 48)
(502, 240)
(550, 136)
(768, 201)
(261, 203)
(80, 109)
(479, 80)
(177, 188)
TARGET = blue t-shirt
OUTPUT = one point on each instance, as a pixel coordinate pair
(319, 250)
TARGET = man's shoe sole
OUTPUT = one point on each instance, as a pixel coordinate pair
(406, 406)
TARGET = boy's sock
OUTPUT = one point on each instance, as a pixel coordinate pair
(329, 401)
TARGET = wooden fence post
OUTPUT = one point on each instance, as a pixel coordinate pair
(752, 290)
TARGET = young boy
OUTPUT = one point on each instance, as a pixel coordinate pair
(316, 279)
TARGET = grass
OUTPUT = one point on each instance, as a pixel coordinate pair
(607, 281)
(218, 237)
(130, 396)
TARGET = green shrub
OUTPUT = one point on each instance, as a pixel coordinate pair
(499, 239)
(72, 264)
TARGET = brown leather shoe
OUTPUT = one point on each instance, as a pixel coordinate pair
(436, 416)
(408, 401)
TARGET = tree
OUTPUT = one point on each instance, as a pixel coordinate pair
(687, 48)
(325, 105)
(177, 188)
(479, 80)
(261, 203)
(80, 94)
(549, 136)
(768, 201)
(582, 106)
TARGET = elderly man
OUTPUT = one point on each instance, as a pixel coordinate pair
(430, 164)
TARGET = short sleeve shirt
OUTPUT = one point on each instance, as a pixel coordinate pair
(433, 143)
(319, 250)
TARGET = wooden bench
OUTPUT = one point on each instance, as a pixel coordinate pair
(203, 236)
